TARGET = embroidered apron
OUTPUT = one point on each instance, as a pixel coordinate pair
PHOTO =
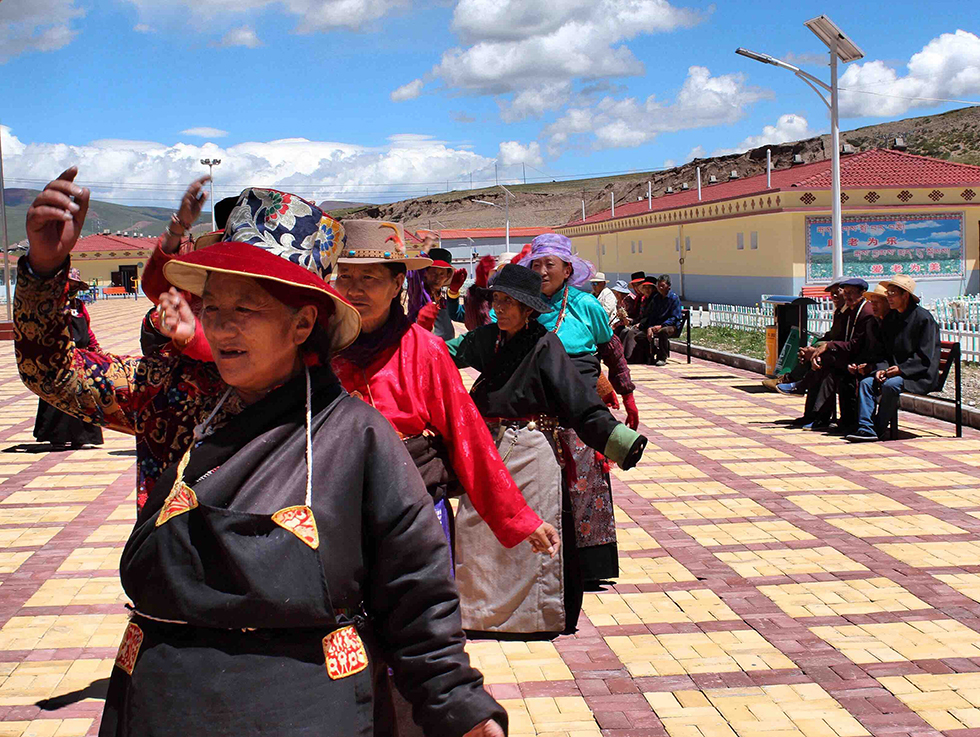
(265, 653)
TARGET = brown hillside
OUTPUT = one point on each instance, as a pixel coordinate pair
(954, 135)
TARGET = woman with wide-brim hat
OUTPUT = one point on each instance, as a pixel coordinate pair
(404, 372)
(527, 391)
(282, 528)
(582, 325)
(51, 425)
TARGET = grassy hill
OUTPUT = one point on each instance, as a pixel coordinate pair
(150, 221)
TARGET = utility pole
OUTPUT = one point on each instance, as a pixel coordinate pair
(6, 247)
(495, 180)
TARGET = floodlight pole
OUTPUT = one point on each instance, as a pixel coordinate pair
(832, 105)
(837, 247)
(210, 164)
(6, 246)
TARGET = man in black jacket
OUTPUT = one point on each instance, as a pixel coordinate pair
(829, 360)
(911, 339)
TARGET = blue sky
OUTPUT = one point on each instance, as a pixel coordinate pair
(378, 99)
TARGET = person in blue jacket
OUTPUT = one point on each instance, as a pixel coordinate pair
(662, 320)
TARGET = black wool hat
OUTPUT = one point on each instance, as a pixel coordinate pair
(522, 284)
(441, 258)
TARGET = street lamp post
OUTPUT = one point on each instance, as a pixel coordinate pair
(841, 48)
(210, 164)
(506, 208)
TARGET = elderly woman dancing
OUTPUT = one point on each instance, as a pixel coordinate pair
(286, 534)
(529, 388)
(582, 326)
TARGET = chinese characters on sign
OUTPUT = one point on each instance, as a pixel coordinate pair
(921, 245)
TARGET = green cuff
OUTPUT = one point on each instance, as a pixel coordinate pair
(619, 443)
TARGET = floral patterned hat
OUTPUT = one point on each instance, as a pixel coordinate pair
(378, 242)
(279, 237)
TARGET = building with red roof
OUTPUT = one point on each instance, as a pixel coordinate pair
(474, 243)
(735, 240)
(112, 259)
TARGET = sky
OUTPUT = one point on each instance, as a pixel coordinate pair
(379, 100)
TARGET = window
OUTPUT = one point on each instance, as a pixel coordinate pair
(740, 241)
(754, 241)
(640, 246)
(677, 244)
(603, 247)
(687, 243)
(632, 246)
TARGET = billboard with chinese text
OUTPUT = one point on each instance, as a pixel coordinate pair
(875, 246)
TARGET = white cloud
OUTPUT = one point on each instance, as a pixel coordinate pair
(36, 25)
(514, 152)
(242, 36)
(698, 152)
(407, 91)
(947, 67)
(669, 164)
(535, 49)
(204, 132)
(702, 101)
(789, 127)
(157, 173)
(143, 28)
(312, 15)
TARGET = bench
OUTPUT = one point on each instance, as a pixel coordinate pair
(949, 357)
(814, 291)
(115, 292)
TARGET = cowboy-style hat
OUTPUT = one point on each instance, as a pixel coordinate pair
(903, 282)
(598, 277)
(503, 259)
(279, 237)
(441, 258)
(378, 242)
(521, 284)
(560, 246)
(879, 292)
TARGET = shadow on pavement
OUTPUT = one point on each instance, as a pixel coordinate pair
(95, 690)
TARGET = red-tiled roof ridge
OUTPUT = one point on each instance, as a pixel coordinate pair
(928, 171)
(110, 242)
(515, 232)
(860, 170)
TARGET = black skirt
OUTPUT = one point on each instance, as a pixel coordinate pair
(55, 427)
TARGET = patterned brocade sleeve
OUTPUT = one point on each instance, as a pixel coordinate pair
(96, 387)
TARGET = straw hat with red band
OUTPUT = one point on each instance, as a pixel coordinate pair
(285, 241)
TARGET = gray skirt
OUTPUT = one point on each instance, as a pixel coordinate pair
(517, 590)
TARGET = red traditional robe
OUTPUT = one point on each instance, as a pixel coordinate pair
(416, 385)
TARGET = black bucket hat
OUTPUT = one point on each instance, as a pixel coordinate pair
(522, 284)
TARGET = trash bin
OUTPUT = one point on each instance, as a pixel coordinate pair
(788, 313)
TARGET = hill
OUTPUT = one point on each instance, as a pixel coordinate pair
(150, 221)
(954, 136)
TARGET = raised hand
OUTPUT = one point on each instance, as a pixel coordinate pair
(189, 211)
(176, 318)
(459, 278)
(54, 222)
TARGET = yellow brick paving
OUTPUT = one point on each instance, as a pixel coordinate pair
(773, 582)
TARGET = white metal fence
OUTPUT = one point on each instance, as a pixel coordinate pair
(958, 318)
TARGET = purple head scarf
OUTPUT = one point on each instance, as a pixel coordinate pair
(553, 244)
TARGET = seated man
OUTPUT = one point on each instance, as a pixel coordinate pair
(605, 295)
(873, 351)
(830, 360)
(620, 318)
(632, 336)
(837, 326)
(911, 343)
(663, 319)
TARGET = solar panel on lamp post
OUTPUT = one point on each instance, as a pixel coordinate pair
(841, 48)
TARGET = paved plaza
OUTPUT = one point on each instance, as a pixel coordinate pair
(774, 582)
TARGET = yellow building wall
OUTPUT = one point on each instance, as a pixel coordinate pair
(101, 269)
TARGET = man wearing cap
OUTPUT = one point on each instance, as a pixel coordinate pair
(831, 358)
(662, 320)
(837, 327)
(621, 291)
(605, 296)
(911, 342)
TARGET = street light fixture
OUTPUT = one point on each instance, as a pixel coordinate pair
(841, 48)
(210, 164)
(506, 208)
